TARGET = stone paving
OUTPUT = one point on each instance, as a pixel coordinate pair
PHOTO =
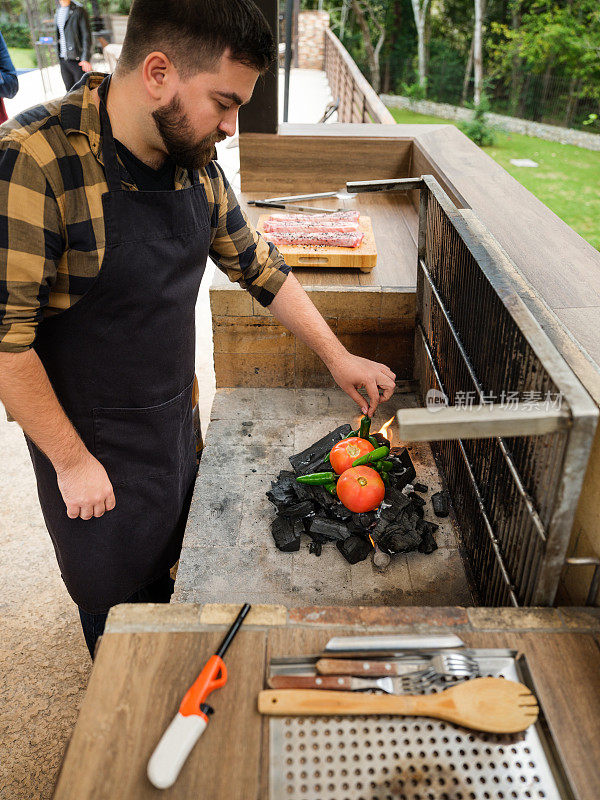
(228, 550)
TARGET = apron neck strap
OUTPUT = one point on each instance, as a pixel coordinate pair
(109, 151)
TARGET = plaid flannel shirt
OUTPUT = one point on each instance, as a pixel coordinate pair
(52, 238)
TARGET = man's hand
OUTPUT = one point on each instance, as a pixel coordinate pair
(85, 66)
(86, 488)
(353, 372)
(294, 309)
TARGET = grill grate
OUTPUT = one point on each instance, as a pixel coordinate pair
(404, 758)
(514, 498)
(383, 758)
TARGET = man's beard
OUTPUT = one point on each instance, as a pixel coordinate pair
(178, 137)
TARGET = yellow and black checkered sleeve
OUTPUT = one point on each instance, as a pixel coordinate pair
(239, 250)
(31, 245)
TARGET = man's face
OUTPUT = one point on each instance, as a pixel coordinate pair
(203, 111)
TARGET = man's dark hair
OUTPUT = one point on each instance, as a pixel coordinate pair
(194, 34)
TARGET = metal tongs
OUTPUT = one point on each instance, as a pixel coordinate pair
(288, 207)
(284, 203)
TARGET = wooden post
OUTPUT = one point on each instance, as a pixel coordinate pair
(261, 113)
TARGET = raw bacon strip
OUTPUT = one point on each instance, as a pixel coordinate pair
(346, 216)
(308, 237)
(341, 227)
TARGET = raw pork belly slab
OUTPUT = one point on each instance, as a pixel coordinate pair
(316, 237)
(340, 229)
(337, 216)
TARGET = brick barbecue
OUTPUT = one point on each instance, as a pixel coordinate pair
(229, 551)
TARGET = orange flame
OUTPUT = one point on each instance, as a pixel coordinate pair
(384, 429)
(371, 540)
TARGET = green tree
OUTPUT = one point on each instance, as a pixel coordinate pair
(553, 37)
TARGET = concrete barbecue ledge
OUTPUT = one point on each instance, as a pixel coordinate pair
(150, 617)
(558, 271)
(228, 552)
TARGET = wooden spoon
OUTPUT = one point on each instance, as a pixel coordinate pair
(494, 705)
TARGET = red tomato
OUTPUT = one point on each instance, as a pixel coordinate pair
(348, 450)
(360, 489)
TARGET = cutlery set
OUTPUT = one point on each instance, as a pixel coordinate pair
(423, 678)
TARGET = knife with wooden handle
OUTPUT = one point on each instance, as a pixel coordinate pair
(332, 682)
(376, 669)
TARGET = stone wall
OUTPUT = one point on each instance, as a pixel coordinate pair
(552, 133)
(311, 39)
(252, 350)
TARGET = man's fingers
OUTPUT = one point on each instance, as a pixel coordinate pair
(110, 502)
(99, 509)
(373, 392)
(387, 371)
(387, 393)
(387, 386)
(72, 512)
(86, 512)
(358, 398)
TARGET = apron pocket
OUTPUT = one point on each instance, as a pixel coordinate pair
(137, 443)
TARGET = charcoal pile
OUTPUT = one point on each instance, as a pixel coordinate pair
(397, 526)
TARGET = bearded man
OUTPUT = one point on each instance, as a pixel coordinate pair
(111, 203)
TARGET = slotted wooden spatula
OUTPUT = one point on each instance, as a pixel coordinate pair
(494, 705)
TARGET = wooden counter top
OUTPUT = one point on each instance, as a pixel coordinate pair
(150, 654)
(395, 226)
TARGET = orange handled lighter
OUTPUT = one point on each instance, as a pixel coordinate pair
(192, 718)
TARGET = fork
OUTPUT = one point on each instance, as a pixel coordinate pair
(434, 669)
(443, 667)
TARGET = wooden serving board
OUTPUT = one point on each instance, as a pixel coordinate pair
(363, 258)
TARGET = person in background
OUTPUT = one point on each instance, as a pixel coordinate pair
(9, 83)
(74, 41)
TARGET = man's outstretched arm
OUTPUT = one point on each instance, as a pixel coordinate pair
(247, 257)
(294, 309)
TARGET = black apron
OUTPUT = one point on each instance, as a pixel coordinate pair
(121, 361)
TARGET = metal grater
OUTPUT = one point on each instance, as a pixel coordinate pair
(412, 758)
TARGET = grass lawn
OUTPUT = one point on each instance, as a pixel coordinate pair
(23, 57)
(566, 180)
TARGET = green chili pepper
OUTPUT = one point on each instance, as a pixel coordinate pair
(385, 478)
(365, 427)
(331, 488)
(317, 478)
(352, 433)
(370, 458)
(386, 466)
(326, 459)
(374, 441)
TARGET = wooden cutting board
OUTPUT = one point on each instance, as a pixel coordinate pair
(363, 258)
(136, 687)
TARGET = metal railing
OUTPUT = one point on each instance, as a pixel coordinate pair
(515, 497)
(358, 101)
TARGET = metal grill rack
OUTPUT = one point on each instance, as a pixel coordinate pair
(514, 496)
(404, 758)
